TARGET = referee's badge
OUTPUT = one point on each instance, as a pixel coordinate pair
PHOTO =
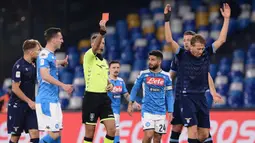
(92, 116)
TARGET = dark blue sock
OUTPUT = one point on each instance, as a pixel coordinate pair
(209, 139)
(36, 140)
(174, 137)
(192, 140)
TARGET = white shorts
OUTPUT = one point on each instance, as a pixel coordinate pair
(156, 122)
(52, 117)
(117, 120)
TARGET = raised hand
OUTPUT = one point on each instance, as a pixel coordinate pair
(225, 11)
(102, 25)
(167, 9)
(65, 61)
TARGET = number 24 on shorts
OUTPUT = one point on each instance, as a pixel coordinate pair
(162, 128)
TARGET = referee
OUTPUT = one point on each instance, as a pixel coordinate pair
(96, 103)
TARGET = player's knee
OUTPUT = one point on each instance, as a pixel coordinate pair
(34, 133)
(15, 138)
(89, 133)
(156, 138)
(149, 134)
(192, 132)
(177, 128)
(202, 136)
(111, 130)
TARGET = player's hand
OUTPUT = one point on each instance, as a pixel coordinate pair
(68, 88)
(109, 87)
(136, 106)
(65, 61)
(217, 98)
(226, 10)
(102, 25)
(31, 104)
(170, 116)
(130, 109)
(167, 9)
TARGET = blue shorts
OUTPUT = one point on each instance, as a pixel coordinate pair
(194, 110)
(20, 117)
(177, 113)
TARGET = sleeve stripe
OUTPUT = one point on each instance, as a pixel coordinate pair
(169, 88)
(214, 49)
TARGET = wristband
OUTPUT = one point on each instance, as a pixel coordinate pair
(102, 32)
(167, 16)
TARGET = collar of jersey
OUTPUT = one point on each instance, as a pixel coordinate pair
(49, 50)
(155, 72)
(113, 79)
(26, 61)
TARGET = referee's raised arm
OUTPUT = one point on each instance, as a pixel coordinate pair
(100, 36)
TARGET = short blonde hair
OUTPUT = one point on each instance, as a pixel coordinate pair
(30, 44)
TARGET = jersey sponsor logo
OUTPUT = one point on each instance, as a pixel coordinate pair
(155, 81)
(117, 89)
(116, 96)
(17, 66)
(154, 89)
(17, 75)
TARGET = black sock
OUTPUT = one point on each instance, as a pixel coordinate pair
(88, 139)
(174, 137)
(11, 141)
(192, 140)
(209, 139)
(36, 140)
(109, 137)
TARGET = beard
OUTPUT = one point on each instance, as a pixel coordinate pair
(153, 67)
(116, 74)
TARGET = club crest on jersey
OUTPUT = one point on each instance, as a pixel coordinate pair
(155, 81)
(117, 89)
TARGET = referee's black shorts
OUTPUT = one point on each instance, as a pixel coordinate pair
(96, 105)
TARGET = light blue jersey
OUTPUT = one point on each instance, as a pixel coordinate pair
(157, 92)
(47, 92)
(115, 95)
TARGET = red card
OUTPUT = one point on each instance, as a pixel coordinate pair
(105, 16)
